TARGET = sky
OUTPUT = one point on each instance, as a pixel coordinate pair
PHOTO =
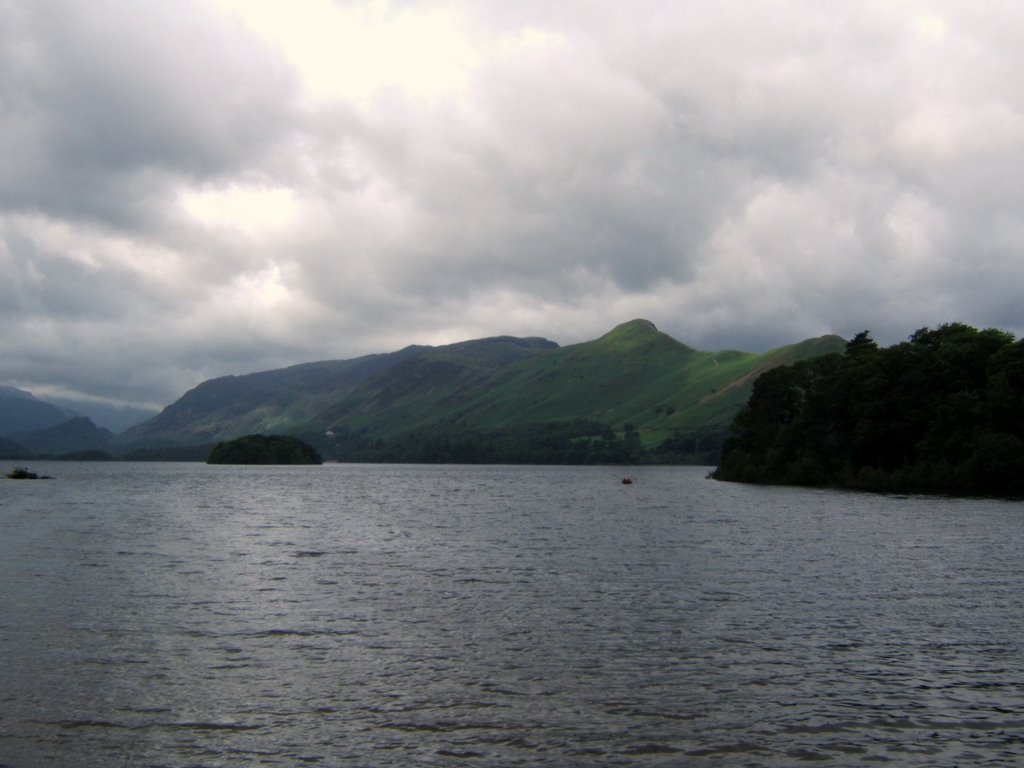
(196, 188)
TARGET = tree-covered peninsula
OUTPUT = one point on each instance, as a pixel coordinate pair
(264, 449)
(940, 413)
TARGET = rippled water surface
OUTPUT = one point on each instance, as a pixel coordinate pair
(187, 615)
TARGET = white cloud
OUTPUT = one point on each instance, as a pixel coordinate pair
(353, 51)
(930, 27)
(218, 186)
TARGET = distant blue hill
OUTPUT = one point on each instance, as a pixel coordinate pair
(116, 418)
(69, 437)
(21, 412)
(32, 427)
(9, 449)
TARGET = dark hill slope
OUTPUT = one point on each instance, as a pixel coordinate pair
(12, 450)
(266, 402)
(288, 400)
(433, 385)
(73, 435)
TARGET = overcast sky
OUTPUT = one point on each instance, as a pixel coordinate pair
(191, 188)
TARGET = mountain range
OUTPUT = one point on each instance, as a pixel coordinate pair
(634, 392)
(30, 426)
(475, 400)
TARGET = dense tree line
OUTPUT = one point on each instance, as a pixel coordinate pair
(578, 441)
(940, 413)
(573, 442)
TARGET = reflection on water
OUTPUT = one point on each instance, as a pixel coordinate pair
(384, 615)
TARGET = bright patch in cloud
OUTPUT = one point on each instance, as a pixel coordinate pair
(257, 303)
(929, 27)
(351, 51)
(530, 39)
(263, 292)
(247, 210)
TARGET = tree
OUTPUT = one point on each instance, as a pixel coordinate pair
(264, 449)
(941, 412)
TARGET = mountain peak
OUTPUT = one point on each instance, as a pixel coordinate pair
(637, 334)
(632, 331)
(639, 325)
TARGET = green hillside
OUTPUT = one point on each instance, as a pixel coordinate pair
(501, 399)
(266, 402)
(288, 400)
(632, 375)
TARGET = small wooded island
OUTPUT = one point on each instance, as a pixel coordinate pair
(264, 449)
(20, 473)
(940, 413)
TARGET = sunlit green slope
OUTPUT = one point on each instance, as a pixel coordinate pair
(634, 374)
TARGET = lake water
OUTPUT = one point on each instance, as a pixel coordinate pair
(193, 615)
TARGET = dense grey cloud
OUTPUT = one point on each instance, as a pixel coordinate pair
(220, 186)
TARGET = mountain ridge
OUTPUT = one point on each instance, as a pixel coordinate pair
(632, 380)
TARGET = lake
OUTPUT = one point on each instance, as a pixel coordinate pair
(194, 615)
